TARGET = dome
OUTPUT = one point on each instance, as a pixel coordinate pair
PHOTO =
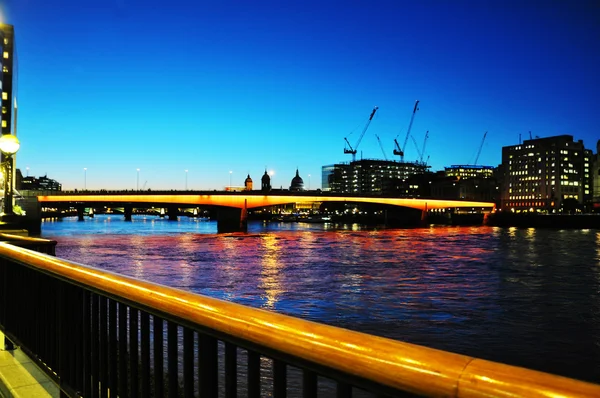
(248, 179)
(297, 183)
(265, 178)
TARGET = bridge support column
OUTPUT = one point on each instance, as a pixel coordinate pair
(231, 219)
(424, 215)
(162, 212)
(91, 213)
(127, 211)
(172, 213)
(80, 213)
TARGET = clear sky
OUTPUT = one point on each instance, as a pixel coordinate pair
(220, 86)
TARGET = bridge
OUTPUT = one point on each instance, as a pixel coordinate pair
(233, 206)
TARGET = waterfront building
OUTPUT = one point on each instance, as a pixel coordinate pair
(373, 176)
(595, 174)
(248, 183)
(469, 171)
(39, 184)
(9, 79)
(297, 183)
(541, 174)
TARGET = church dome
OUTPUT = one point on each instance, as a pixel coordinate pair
(248, 179)
(265, 178)
(297, 183)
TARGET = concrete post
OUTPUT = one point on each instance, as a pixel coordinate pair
(127, 211)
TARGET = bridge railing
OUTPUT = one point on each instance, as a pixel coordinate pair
(102, 334)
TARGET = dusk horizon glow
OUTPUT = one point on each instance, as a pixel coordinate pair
(122, 94)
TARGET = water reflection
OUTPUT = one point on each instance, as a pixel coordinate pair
(523, 296)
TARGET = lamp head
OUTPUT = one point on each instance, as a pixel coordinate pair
(9, 144)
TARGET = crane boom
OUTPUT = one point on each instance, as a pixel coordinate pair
(362, 134)
(424, 145)
(417, 146)
(398, 150)
(479, 150)
(381, 146)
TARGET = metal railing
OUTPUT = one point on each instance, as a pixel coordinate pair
(101, 334)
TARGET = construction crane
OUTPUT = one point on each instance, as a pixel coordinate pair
(417, 146)
(479, 150)
(400, 151)
(353, 150)
(381, 146)
(424, 145)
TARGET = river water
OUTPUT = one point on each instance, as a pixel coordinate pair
(527, 297)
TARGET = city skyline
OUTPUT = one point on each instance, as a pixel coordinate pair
(201, 95)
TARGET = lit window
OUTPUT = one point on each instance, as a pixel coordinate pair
(4, 110)
(6, 54)
(4, 123)
(4, 95)
(5, 41)
(5, 69)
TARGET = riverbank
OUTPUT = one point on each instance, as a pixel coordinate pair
(533, 220)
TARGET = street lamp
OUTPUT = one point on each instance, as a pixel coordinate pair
(137, 185)
(85, 178)
(27, 168)
(186, 180)
(309, 182)
(9, 145)
(230, 173)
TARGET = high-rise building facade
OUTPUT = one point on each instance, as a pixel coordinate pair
(372, 176)
(9, 79)
(540, 174)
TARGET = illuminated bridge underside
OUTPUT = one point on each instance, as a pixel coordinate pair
(257, 201)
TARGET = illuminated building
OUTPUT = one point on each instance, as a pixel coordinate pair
(373, 176)
(540, 174)
(596, 178)
(469, 171)
(39, 184)
(9, 79)
(248, 183)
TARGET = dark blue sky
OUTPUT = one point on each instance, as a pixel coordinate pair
(222, 86)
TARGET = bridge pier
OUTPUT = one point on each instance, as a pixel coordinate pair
(172, 213)
(127, 211)
(91, 213)
(162, 212)
(80, 213)
(231, 219)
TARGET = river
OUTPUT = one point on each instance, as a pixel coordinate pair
(527, 297)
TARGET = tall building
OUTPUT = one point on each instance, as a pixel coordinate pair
(465, 171)
(9, 79)
(372, 176)
(596, 178)
(541, 173)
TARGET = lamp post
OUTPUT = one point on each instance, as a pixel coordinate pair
(27, 168)
(186, 179)
(309, 182)
(137, 184)
(230, 173)
(85, 178)
(9, 145)
(271, 174)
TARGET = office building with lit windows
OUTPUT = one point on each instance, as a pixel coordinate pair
(466, 171)
(373, 176)
(541, 174)
(9, 79)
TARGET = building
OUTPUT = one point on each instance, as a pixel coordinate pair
(265, 181)
(373, 176)
(464, 171)
(39, 184)
(9, 79)
(595, 205)
(248, 183)
(297, 183)
(541, 174)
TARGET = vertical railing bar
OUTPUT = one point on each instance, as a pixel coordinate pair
(79, 331)
(230, 370)
(279, 379)
(309, 383)
(208, 366)
(158, 356)
(103, 347)
(87, 347)
(253, 374)
(123, 356)
(188, 362)
(94, 345)
(172, 358)
(343, 390)
(133, 352)
(145, 349)
(61, 336)
(113, 346)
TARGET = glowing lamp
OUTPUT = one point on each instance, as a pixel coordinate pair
(9, 144)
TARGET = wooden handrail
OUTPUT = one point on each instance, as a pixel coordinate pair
(408, 367)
